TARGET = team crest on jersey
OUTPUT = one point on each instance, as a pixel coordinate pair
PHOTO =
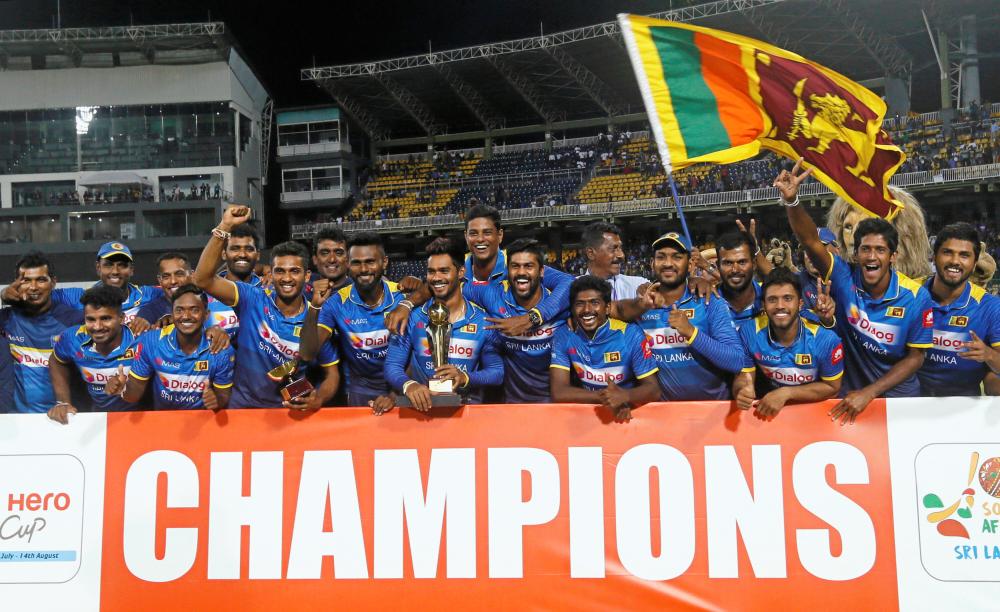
(803, 359)
(201, 366)
(688, 312)
(612, 357)
(129, 354)
(470, 328)
(958, 321)
(895, 312)
(297, 331)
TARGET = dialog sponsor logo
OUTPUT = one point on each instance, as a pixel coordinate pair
(665, 338)
(41, 518)
(790, 376)
(369, 341)
(958, 500)
(882, 333)
(599, 376)
(30, 357)
(184, 382)
(950, 341)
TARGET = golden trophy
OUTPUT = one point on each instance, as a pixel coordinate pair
(291, 387)
(438, 340)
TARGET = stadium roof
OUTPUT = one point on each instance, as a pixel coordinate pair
(582, 77)
(176, 43)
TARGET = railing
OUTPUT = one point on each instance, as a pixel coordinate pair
(476, 181)
(513, 148)
(312, 148)
(695, 201)
(290, 197)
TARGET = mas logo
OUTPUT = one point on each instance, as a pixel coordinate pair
(41, 518)
(958, 489)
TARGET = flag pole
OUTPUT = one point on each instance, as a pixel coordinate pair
(680, 209)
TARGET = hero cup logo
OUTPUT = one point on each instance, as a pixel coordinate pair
(958, 489)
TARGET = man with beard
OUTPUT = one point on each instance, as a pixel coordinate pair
(330, 258)
(241, 256)
(271, 321)
(486, 264)
(526, 357)
(799, 361)
(602, 246)
(99, 349)
(692, 339)
(186, 375)
(966, 319)
(31, 327)
(609, 359)
(114, 268)
(885, 318)
(354, 316)
(737, 270)
(473, 358)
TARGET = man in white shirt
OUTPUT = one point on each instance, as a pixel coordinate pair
(602, 246)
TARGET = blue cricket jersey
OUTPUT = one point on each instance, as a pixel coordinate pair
(749, 313)
(75, 346)
(816, 354)
(473, 349)
(138, 296)
(267, 339)
(555, 281)
(526, 358)
(618, 351)
(877, 333)
(944, 372)
(362, 335)
(179, 378)
(699, 368)
(224, 316)
(31, 339)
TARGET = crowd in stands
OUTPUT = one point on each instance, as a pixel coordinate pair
(194, 192)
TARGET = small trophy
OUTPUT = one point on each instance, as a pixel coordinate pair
(291, 387)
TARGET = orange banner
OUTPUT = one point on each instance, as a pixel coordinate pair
(688, 505)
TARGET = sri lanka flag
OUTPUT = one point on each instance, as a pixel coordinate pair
(712, 96)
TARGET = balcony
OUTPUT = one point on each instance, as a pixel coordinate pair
(315, 148)
(309, 199)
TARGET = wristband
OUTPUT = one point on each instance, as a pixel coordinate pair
(466, 383)
(407, 304)
(791, 204)
(220, 233)
(407, 384)
(310, 305)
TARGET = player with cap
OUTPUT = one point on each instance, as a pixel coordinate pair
(179, 361)
(114, 268)
(798, 360)
(99, 350)
(692, 339)
(885, 318)
(30, 327)
(271, 320)
(600, 360)
(966, 318)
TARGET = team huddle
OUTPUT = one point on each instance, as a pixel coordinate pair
(848, 326)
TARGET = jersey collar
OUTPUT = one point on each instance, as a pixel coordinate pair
(467, 316)
(960, 302)
(171, 338)
(510, 300)
(754, 306)
(127, 339)
(255, 281)
(387, 298)
(499, 268)
(778, 345)
(599, 336)
(891, 292)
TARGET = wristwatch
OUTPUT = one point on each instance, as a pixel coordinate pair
(535, 316)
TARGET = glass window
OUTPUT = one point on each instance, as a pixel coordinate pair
(289, 135)
(44, 229)
(102, 225)
(327, 131)
(296, 180)
(326, 178)
(172, 223)
(48, 193)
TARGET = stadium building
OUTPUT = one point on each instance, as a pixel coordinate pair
(137, 133)
(551, 128)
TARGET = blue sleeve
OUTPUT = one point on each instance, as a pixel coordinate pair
(328, 314)
(142, 364)
(476, 293)
(640, 352)
(719, 344)
(831, 355)
(992, 314)
(397, 357)
(150, 293)
(558, 300)
(841, 281)
(560, 354)
(222, 376)
(69, 296)
(747, 333)
(921, 329)
(63, 349)
(329, 355)
(6, 377)
(490, 370)
(246, 297)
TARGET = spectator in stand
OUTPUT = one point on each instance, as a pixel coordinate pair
(602, 246)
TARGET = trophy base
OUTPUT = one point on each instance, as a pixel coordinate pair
(296, 389)
(437, 399)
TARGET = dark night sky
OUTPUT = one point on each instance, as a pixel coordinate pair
(279, 38)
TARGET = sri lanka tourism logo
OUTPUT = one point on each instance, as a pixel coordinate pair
(959, 504)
